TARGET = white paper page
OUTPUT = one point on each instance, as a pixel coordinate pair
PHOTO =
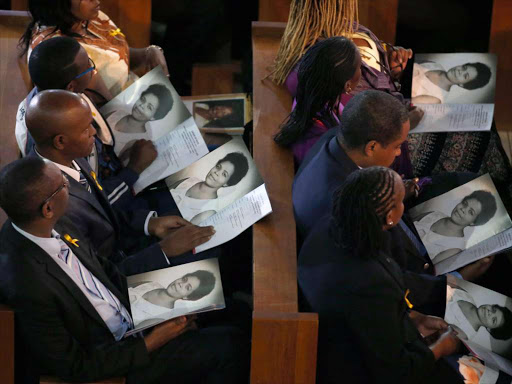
(491, 359)
(455, 117)
(237, 217)
(176, 150)
(488, 247)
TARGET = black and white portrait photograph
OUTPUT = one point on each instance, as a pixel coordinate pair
(171, 292)
(481, 316)
(227, 113)
(458, 78)
(460, 218)
(214, 181)
(147, 109)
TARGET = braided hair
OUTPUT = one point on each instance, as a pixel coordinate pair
(308, 21)
(360, 207)
(323, 72)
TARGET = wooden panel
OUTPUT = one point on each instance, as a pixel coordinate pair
(273, 10)
(12, 86)
(286, 349)
(500, 40)
(19, 5)
(7, 345)
(274, 239)
(132, 16)
(53, 380)
(380, 16)
(214, 79)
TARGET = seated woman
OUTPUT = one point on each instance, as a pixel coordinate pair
(432, 83)
(105, 44)
(443, 236)
(329, 69)
(467, 318)
(197, 199)
(368, 332)
(149, 300)
(423, 154)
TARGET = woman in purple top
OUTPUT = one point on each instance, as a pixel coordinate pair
(329, 69)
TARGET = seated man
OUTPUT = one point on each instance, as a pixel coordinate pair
(61, 124)
(373, 126)
(70, 330)
(62, 63)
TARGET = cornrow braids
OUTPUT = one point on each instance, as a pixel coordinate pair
(360, 207)
(309, 21)
(323, 73)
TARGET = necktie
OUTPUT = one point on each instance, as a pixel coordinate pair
(84, 182)
(410, 234)
(93, 285)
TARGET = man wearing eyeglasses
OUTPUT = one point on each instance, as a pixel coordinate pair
(71, 304)
(62, 63)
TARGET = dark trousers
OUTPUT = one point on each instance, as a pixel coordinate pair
(210, 356)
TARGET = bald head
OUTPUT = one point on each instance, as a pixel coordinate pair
(24, 186)
(54, 112)
(60, 123)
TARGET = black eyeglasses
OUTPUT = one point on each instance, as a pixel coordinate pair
(90, 69)
(65, 184)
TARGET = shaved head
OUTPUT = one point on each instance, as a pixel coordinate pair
(60, 123)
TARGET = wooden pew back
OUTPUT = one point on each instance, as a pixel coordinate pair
(12, 85)
(283, 341)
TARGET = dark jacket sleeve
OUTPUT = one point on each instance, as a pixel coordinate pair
(118, 187)
(428, 293)
(391, 345)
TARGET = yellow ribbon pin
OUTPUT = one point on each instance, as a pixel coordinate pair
(409, 304)
(93, 174)
(71, 240)
(116, 32)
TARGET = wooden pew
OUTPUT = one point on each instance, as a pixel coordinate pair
(500, 39)
(284, 341)
(12, 85)
(132, 16)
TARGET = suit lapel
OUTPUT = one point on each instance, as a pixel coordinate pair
(85, 255)
(57, 273)
(97, 198)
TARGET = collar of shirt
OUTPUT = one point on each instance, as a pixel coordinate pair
(73, 172)
(48, 244)
(103, 133)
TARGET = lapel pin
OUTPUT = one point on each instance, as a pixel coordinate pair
(93, 175)
(71, 240)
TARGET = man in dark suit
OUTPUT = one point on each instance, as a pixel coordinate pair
(60, 123)
(373, 126)
(62, 63)
(71, 330)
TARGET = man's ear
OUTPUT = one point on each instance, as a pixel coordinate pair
(71, 87)
(59, 141)
(369, 148)
(46, 210)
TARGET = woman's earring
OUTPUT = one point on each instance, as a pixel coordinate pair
(348, 90)
(390, 223)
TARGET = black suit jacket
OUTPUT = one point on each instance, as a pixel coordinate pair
(314, 185)
(64, 334)
(365, 333)
(111, 231)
